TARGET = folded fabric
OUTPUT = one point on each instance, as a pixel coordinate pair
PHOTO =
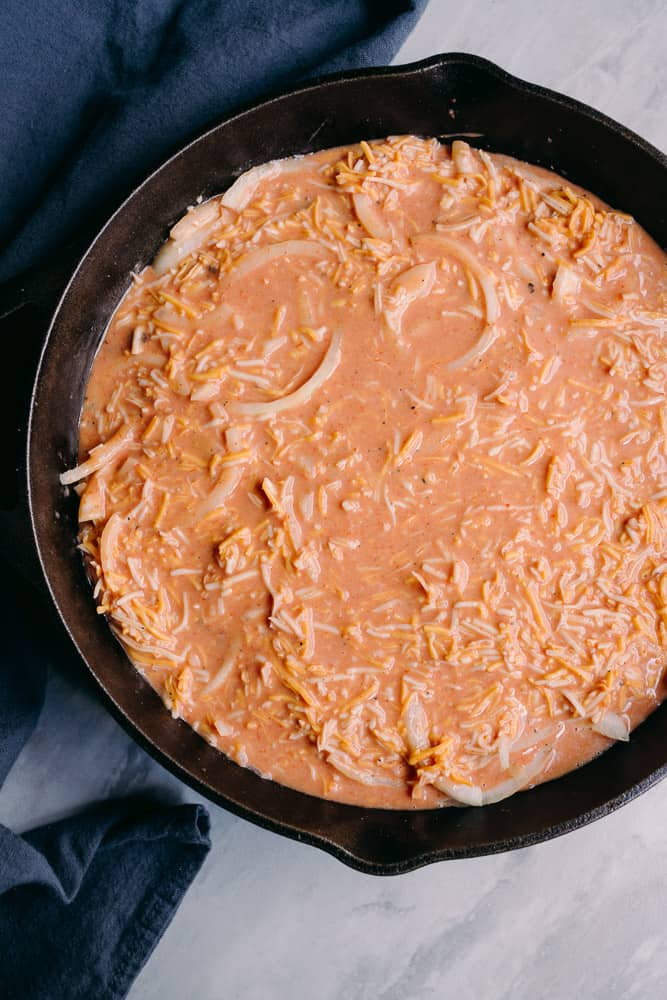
(64, 933)
(82, 901)
(94, 96)
(132, 80)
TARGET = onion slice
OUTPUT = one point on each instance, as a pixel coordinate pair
(463, 157)
(145, 647)
(416, 724)
(109, 543)
(265, 255)
(196, 219)
(327, 367)
(491, 304)
(412, 284)
(459, 224)
(239, 194)
(473, 795)
(100, 456)
(436, 242)
(92, 506)
(371, 217)
(566, 284)
(613, 726)
(188, 235)
(226, 667)
(479, 348)
(226, 485)
(343, 763)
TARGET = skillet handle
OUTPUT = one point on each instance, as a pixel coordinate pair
(26, 306)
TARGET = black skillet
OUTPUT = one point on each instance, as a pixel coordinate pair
(445, 95)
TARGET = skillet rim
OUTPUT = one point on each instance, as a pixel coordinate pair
(360, 860)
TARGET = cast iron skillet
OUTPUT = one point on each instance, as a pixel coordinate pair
(443, 95)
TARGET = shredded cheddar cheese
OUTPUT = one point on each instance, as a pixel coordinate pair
(373, 481)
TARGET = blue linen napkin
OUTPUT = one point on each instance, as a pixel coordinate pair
(97, 94)
(94, 95)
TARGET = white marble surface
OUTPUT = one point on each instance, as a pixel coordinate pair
(269, 919)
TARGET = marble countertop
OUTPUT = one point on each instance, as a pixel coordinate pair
(268, 918)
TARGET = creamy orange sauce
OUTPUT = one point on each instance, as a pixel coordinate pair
(374, 479)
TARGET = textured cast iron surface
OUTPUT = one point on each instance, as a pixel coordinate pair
(444, 95)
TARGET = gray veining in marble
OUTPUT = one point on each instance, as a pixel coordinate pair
(268, 919)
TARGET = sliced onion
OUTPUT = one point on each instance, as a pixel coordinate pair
(488, 338)
(346, 766)
(488, 163)
(467, 795)
(473, 795)
(188, 235)
(265, 255)
(92, 506)
(226, 667)
(207, 391)
(100, 456)
(167, 314)
(409, 286)
(433, 240)
(243, 188)
(109, 544)
(551, 732)
(327, 367)
(459, 224)
(504, 747)
(371, 217)
(463, 158)
(416, 724)
(223, 728)
(219, 495)
(195, 219)
(566, 284)
(613, 726)
(416, 282)
(491, 304)
(144, 647)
